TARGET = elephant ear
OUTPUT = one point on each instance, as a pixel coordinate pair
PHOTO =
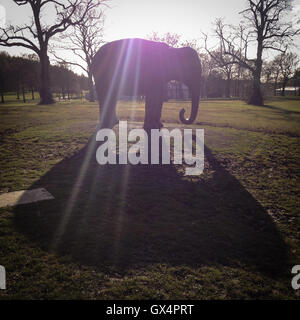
(173, 63)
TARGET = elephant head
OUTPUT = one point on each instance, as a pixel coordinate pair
(184, 65)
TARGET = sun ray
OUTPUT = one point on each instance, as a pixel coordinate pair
(119, 78)
(112, 87)
(74, 194)
(126, 173)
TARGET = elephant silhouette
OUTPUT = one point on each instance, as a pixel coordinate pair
(142, 67)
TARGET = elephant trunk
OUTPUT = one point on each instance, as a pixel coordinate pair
(194, 110)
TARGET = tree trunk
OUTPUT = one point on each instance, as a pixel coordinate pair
(228, 86)
(23, 93)
(256, 97)
(238, 92)
(45, 92)
(32, 93)
(284, 83)
(2, 97)
(204, 88)
(18, 93)
(275, 88)
(91, 87)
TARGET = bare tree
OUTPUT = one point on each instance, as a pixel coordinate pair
(271, 71)
(5, 68)
(280, 70)
(37, 34)
(171, 39)
(83, 40)
(232, 49)
(192, 43)
(270, 74)
(207, 65)
(264, 26)
(287, 63)
(225, 65)
(296, 81)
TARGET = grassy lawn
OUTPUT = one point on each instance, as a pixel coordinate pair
(149, 232)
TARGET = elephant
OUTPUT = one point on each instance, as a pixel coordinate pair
(143, 67)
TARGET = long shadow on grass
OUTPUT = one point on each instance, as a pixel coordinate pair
(117, 217)
(281, 110)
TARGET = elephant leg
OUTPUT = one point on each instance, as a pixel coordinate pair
(108, 103)
(153, 111)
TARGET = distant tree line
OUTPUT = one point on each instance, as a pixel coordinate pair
(264, 27)
(37, 34)
(20, 75)
(223, 78)
(229, 67)
(232, 80)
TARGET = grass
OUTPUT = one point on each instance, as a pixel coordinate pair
(149, 232)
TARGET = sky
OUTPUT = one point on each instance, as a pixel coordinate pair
(139, 18)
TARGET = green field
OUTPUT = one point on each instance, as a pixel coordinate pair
(149, 232)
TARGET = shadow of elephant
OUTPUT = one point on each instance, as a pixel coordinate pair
(125, 216)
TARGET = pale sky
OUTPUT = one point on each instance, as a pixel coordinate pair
(138, 18)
